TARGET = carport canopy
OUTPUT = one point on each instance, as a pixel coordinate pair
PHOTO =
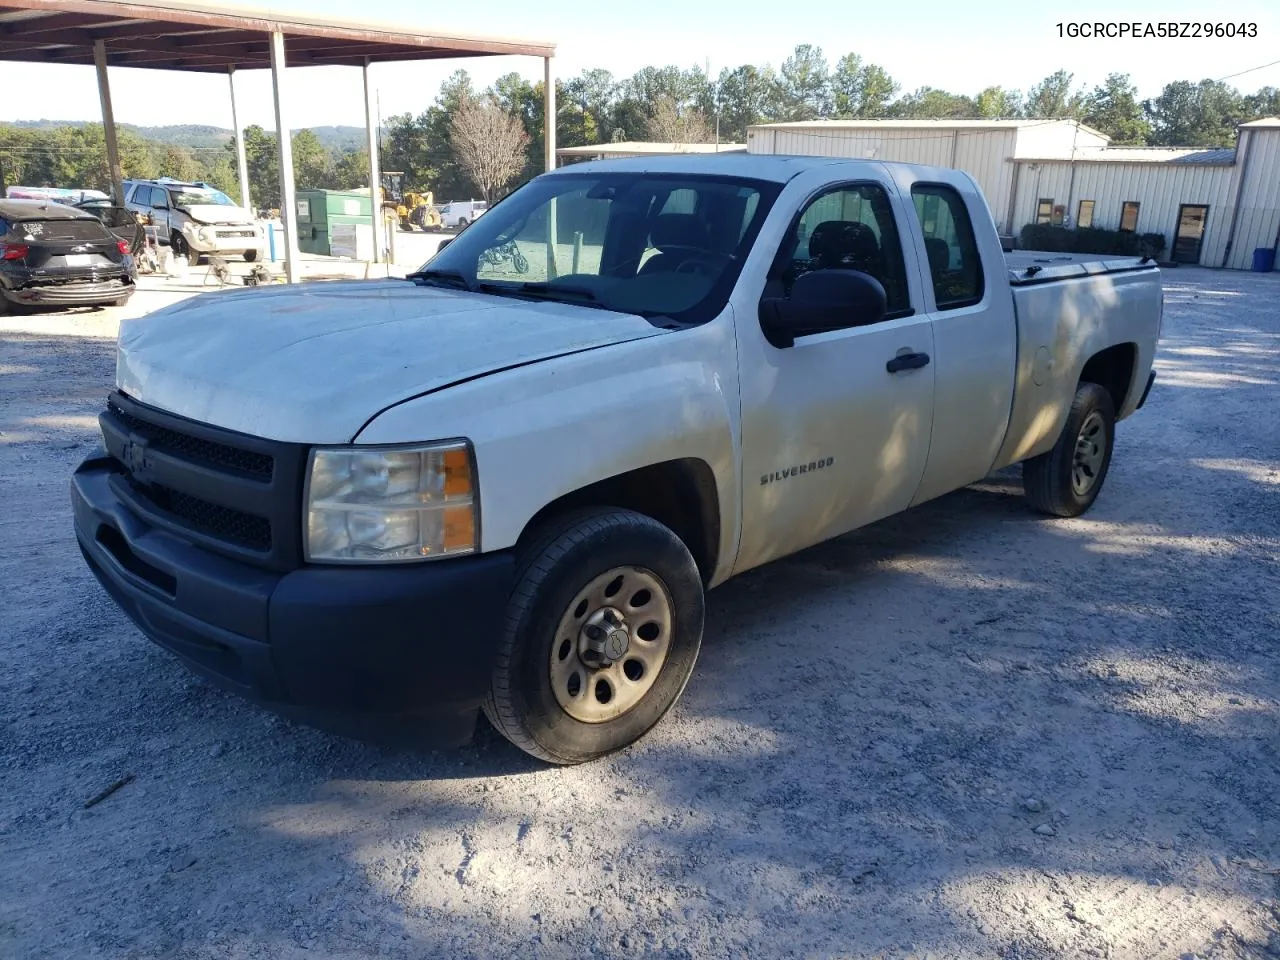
(208, 38)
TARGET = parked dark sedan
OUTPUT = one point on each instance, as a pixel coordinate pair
(58, 256)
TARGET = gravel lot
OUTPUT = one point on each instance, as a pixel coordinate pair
(964, 732)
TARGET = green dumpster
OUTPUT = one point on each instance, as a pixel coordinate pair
(333, 222)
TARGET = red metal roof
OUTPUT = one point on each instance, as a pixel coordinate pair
(204, 37)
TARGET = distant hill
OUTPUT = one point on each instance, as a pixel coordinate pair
(199, 136)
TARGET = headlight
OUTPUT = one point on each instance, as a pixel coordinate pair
(390, 504)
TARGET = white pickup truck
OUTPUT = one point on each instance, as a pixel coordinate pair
(391, 504)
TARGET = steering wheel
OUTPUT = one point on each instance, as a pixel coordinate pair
(702, 261)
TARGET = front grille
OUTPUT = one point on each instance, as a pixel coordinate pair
(257, 466)
(234, 526)
(230, 493)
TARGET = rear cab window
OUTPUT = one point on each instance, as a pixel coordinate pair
(950, 245)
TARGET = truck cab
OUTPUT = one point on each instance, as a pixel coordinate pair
(504, 489)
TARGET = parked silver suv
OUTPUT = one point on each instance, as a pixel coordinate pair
(196, 218)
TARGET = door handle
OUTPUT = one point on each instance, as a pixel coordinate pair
(907, 361)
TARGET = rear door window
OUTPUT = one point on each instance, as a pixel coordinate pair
(159, 197)
(952, 249)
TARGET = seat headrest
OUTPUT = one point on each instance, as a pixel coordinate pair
(679, 230)
(837, 243)
(939, 254)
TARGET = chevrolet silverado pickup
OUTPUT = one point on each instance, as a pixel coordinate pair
(398, 503)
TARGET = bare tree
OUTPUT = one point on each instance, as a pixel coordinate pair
(489, 144)
(672, 124)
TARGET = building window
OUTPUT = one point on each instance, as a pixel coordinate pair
(1059, 212)
(951, 245)
(1044, 211)
(1129, 216)
(1084, 215)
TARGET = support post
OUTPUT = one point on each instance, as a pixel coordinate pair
(549, 141)
(375, 168)
(549, 118)
(108, 121)
(288, 205)
(242, 161)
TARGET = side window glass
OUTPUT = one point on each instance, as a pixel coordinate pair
(158, 197)
(954, 265)
(850, 228)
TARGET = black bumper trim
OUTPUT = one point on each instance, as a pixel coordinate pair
(1151, 379)
(376, 653)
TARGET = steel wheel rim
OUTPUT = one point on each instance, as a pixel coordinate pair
(1090, 453)
(600, 674)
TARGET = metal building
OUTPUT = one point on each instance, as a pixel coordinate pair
(1213, 207)
(982, 148)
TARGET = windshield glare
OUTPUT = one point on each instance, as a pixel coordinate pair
(650, 244)
(188, 197)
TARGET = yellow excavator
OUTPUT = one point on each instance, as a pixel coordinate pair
(410, 208)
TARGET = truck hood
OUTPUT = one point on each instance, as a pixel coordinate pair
(313, 364)
(217, 213)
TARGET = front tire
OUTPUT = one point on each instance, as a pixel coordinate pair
(250, 256)
(1065, 481)
(178, 243)
(603, 629)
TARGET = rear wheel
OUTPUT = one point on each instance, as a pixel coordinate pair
(462, 222)
(1065, 481)
(602, 632)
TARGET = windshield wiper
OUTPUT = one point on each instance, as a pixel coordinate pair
(555, 291)
(445, 278)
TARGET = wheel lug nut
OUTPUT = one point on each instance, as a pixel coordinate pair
(594, 632)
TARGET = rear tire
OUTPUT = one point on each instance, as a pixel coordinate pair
(250, 256)
(1065, 481)
(553, 696)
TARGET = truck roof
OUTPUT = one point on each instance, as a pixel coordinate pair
(775, 167)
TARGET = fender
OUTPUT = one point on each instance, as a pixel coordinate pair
(546, 429)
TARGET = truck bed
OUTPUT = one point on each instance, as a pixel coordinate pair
(1069, 307)
(1037, 266)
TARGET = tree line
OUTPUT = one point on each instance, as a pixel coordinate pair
(482, 142)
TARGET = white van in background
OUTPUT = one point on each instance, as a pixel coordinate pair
(461, 212)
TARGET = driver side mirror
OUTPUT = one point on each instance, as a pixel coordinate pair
(820, 301)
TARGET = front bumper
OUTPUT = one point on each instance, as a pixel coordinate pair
(395, 653)
(215, 240)
(70, 293)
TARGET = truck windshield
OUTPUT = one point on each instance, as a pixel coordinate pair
(665, 246)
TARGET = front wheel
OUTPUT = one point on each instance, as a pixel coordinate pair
(250, 256)
(602, 632)
(1065, 481)
(178, 244)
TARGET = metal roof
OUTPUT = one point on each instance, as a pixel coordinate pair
(647, 147)
(1264, 122)
(208, 37)
(923, 123)
(1215, 157)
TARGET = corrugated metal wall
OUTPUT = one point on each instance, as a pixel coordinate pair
(1013, 189)
(1159, 188)
(1259, 217)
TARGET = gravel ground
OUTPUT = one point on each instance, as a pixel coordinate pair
(964, 732)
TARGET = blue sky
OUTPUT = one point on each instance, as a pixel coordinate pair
(941, 43)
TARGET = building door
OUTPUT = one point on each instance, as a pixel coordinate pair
(1190, 235)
